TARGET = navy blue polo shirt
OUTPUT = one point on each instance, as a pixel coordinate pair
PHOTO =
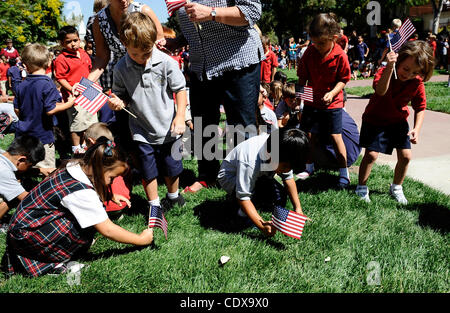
(35, 96)
(362, 48)
(16, 76)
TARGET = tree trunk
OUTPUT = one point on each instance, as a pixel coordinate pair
(437, 9)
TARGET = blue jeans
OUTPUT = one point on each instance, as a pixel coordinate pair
(238, 91)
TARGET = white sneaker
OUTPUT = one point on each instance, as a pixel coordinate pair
(397, 193)
(363, 193)
(304, 175)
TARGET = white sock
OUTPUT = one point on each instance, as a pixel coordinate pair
(359, 187)
(395, 187)
(155, 202)
(173, 195)
(310, 167)
(74, 148)
(343, 172)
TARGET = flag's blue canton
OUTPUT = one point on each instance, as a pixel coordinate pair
(396, 38)
(85, 82)
(156, 212)
(281, 213)
(90, 93)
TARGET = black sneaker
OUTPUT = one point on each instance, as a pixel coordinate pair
(167, 203)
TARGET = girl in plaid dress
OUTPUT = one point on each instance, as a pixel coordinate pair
(57, 220)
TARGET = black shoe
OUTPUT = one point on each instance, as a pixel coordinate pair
(167, 203)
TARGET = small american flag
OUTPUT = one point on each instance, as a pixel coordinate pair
(157, 219)
(304, 92)
(404, 32)
(92, 97)
(288, 222)
(173, 5)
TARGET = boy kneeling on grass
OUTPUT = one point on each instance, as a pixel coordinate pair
(248, 172)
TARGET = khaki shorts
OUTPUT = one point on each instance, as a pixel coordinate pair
(50, 160)
(80, 119)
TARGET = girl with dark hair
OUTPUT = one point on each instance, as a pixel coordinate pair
(57, 220)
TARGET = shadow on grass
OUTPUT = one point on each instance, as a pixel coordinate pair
(433, 215)
(319, 182)
(139, 205)
(220, 215)
(187, 178)
(114, 252)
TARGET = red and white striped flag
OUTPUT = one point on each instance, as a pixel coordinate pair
(173, 5)
(304, 92)
(157, 219)
(288, 222)
(91, 96)
(404, 32)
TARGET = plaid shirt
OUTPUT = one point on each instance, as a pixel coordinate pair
(217, 47)
(112, 40)
(42, 232)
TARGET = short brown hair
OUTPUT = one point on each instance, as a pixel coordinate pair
(289, 90)
(324, 24)
(138, 30)
(98, 130)
(423, 54)
(35, 56)
(99, 4)
(265, 40)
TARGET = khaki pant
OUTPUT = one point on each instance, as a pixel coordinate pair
(50, 159)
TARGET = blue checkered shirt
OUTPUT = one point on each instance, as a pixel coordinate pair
(217, 48)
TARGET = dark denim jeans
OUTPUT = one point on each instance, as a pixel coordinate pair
(238, 91)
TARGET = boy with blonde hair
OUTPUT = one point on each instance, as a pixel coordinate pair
(288, 108)
(145, 81)
(36, 101)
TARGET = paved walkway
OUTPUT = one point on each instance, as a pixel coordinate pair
(431, 156)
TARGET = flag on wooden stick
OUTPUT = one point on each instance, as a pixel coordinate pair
(404, 32)
(91, 96)
(304, 92)
(157, 219)
(288, 222)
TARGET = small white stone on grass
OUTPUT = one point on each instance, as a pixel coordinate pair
(224, 259)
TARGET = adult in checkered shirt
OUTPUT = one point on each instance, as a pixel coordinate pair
(225, 56)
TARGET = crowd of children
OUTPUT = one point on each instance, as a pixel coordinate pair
(84, 194)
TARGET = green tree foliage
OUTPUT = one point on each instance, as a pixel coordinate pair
(30, 20)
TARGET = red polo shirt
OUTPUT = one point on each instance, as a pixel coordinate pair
(322, 74)
(342, 41)
(393, 106)
(3, 71)
(71, 68)
(10, 54)
(267, 65)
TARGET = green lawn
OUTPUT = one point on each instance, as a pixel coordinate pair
(438, 95)
(409, 243)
